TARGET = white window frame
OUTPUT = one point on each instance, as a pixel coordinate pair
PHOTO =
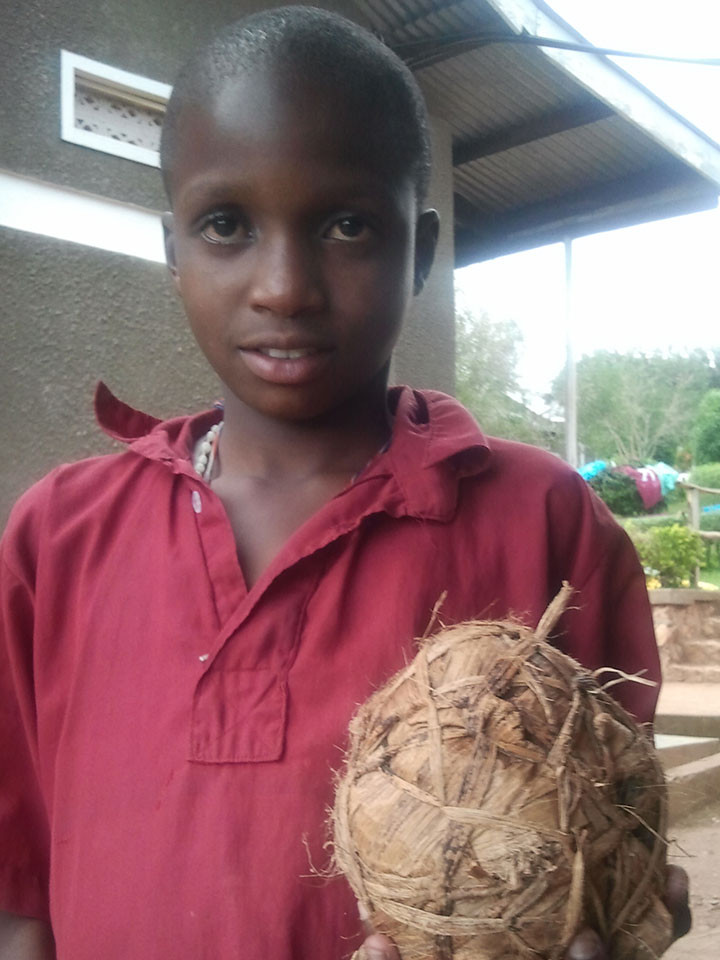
(110, 80)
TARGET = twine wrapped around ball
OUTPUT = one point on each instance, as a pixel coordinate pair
(495, 800)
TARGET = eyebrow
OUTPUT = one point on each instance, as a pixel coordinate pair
(206, 190)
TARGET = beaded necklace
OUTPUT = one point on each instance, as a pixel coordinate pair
(206, 451)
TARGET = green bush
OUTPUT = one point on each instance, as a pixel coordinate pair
(706, 435)
(711, 522)
(638, 525)
(618, 491)
(669, 553)
(706, 475)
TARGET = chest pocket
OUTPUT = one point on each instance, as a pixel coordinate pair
(239, 716)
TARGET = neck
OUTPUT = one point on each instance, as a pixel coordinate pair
(339, 442)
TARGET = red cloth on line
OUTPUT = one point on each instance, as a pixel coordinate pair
(647, 482)
(170, 736)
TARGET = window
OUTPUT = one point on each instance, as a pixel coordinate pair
(111, 110)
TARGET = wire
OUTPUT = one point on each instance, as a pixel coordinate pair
(420, 53)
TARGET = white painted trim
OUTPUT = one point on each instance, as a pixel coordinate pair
(51, 211)
(609, 82)
(123, 82)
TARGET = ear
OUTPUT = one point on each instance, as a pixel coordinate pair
(426, 237)
(168, 225)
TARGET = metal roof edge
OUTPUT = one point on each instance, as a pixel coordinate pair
(605, 79)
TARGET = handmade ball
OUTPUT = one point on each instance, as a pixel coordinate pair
(495, 801)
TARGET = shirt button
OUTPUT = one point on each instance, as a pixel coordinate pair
(196, 502)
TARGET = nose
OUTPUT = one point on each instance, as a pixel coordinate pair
(286, 278)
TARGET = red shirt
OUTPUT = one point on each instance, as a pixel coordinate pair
(172, 736)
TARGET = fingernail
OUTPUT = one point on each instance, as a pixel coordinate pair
(377, 947)
(587, 945)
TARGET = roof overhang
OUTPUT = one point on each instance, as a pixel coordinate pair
(548, 143)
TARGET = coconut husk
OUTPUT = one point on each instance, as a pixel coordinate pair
(495, 800)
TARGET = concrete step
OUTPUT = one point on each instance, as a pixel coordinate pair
(674, 751)
(701, 652)
(692, 673)
(689, 709)
(693, 785)
(687, 725)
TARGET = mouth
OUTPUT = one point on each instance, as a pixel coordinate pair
(288, 354)
(287, 366)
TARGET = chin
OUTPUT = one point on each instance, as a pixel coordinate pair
(291, 407)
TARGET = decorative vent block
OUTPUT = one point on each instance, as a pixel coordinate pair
(111, 110)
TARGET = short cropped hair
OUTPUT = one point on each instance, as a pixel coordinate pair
(327, 48)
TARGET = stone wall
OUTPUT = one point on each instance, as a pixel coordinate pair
(687, 626)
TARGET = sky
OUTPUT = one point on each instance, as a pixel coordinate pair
(651, 287)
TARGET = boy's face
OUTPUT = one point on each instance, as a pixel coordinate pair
(293, 244)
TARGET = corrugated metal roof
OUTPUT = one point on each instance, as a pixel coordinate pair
(545, 145)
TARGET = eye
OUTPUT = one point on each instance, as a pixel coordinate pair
(348, 229)
(225, 227)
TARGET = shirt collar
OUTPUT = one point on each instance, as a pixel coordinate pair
(435, 443)
(170, 441)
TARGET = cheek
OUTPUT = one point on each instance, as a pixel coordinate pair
(386, 281)
(204, 291)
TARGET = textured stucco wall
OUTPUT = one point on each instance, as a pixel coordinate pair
(425, 354)
(72, 314)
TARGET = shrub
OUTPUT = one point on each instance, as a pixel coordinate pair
(618, 491)
(637, 525)
(670, 553)
(706, 435)
(706, 475)
(710, 521)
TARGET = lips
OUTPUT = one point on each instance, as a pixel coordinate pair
(286, 365)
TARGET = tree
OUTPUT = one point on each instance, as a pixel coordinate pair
(486, 378)
(706, 436)
(636, 407)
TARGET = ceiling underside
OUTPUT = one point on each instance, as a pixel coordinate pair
(538, 156)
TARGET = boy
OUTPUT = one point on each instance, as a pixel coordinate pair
(190, 624)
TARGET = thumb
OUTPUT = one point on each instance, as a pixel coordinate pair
(378, 947)
(586, 945)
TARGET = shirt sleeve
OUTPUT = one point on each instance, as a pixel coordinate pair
(24, 828)
(609, 619)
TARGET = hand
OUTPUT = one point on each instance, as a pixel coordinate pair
(378, 947)
(587, 945)
(677, 899)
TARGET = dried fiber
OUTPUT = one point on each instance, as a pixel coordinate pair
(495, 800)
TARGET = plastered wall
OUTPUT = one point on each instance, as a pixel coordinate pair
(72, 315)
(425, 354)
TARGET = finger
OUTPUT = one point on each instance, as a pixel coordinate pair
(586, 945)
(677, 899)
(379, 947)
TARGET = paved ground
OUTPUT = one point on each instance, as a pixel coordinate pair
(697, 849)
(697, 839)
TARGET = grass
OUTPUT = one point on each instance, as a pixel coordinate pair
(710, 576)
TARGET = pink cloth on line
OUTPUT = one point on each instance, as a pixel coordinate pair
(647, 483)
